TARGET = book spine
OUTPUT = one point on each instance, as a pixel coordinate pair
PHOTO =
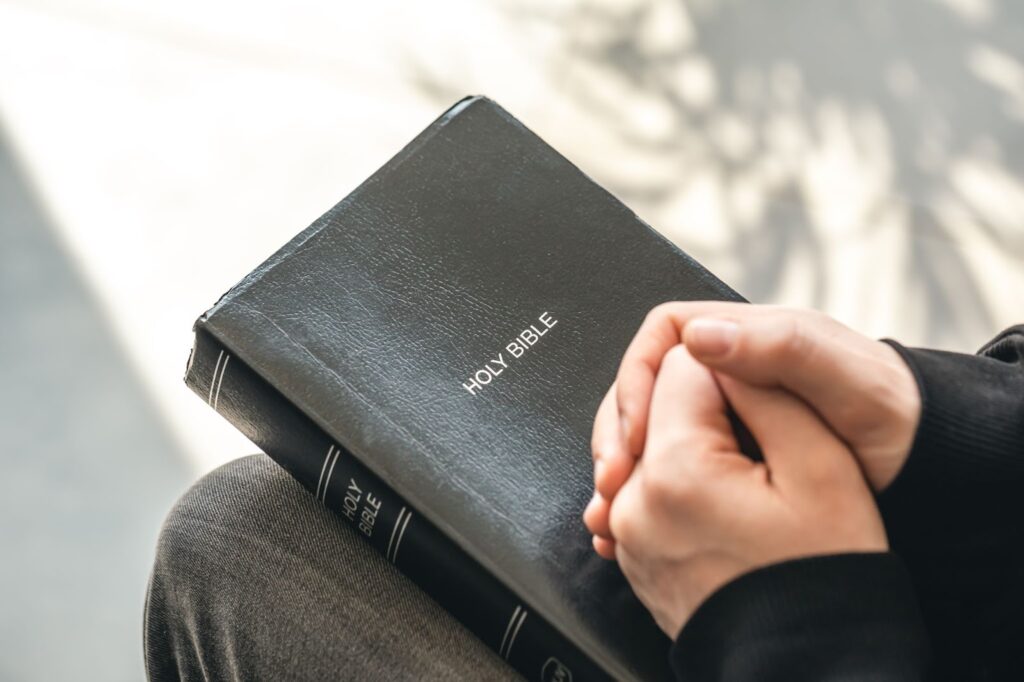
(416, 547)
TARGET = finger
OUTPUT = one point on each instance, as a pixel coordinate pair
(612, 462)
(604, 547)
(596, 516)
(661, 330)
(816, 358)
(799, 448)
(688, 412)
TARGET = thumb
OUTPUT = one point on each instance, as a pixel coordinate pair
(816, 358)
(799, 449)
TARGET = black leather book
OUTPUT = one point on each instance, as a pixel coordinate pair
(427, 359)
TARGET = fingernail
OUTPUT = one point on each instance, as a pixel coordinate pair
(711, 337)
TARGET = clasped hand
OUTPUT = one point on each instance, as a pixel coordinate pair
(677, 504)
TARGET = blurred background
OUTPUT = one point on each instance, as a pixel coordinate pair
(865, 158)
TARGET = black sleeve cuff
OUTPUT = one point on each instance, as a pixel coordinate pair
(953, 514)
(970, 440)
(847, 616)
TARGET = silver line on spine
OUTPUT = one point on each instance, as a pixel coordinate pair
(213, 379)
(512, 640)
(391, 542)
(508, 629)
(323, 470)
(401, 534)
(224, 367)
(330, 472)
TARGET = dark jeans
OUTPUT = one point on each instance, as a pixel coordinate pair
(254, 579)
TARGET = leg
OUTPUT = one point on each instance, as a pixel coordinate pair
(255, 580)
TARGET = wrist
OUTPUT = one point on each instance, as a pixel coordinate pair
(900, 390)
(969, 423)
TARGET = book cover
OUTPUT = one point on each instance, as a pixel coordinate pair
(427, 359)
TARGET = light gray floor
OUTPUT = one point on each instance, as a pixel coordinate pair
(87, 469)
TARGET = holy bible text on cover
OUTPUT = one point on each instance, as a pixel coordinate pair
(427, 359)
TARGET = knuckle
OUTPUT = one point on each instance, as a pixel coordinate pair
(670, 492)
(659, 314)
(659, 311)
(792, 343)
(679, 367)
(605, 448)
(599, 446)
(627, 387)
(676, 358)
(603, 435)
(622, 520)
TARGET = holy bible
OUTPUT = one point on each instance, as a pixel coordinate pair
(427, 358)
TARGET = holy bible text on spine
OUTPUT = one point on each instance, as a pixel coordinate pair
(426, 359)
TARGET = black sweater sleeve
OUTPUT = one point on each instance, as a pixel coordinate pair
(839, 617)
(954, 518)
(955, 513)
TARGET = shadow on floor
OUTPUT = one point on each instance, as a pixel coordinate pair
(914, 101)
(89, 469)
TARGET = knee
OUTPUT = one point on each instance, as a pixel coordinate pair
(203, 533)
(220, 514)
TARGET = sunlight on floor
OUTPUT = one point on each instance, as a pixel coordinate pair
(861, 158)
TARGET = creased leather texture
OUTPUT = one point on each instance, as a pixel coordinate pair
(371, 320)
